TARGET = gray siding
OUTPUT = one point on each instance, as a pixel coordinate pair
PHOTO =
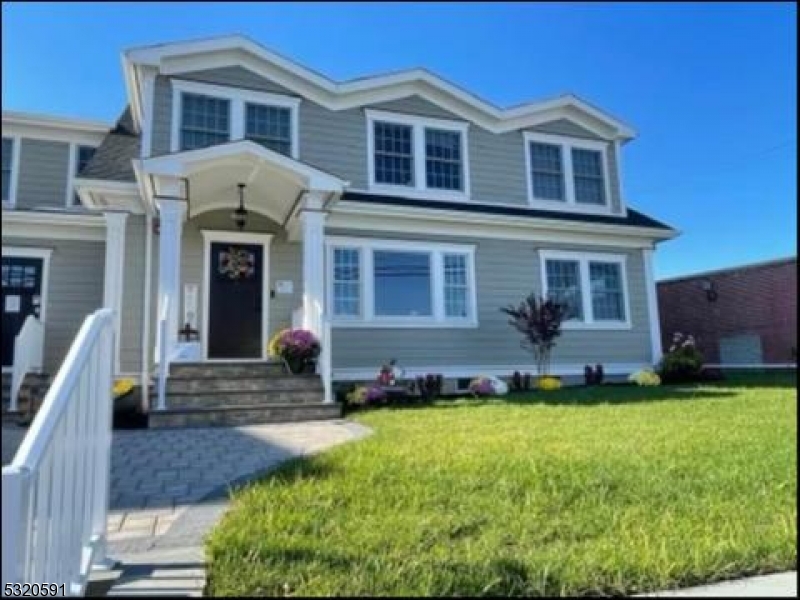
(43, 171)
(132, 315)
(506, 271)
(336, 141)
(75, 290)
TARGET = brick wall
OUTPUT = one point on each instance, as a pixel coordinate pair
(759, 300)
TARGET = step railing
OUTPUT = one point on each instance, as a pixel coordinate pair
(28, 352)
(163, 356)
(55, 491)
(325, 360)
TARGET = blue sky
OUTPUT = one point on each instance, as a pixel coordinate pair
(710, 88)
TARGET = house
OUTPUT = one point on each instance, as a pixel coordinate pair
(740, 316)
(397, 212)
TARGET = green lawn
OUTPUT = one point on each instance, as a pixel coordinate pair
(611, 490)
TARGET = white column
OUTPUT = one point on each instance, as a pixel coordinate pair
(312, 222)
(171, 215)
(114, 270)
(652, 306)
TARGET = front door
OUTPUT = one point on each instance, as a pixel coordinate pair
(22, 296)
(236, 302)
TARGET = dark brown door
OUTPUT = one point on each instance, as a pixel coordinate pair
(22, 296)
(235, 300)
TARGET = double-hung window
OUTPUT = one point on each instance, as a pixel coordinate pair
(566, 172)
(270, 126)
(205, 121)
(592, 286)
(9, 145)
(400, 284)
(416, 155)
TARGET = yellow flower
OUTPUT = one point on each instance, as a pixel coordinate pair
(122, 387)
(645, 377)
(548, 383)
(272, 347)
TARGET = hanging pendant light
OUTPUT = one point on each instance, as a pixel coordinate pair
(239, 216)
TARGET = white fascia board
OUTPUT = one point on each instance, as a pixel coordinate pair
(238, 50)
(40, 130)
(122, 195)
(68, 123)
(357, 215)
(51, 225)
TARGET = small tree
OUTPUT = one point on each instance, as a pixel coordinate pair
(539, 321)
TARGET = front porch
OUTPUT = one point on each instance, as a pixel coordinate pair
(224, 286)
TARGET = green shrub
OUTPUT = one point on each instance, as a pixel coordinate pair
(683, 362)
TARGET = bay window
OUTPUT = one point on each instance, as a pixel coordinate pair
(391, 283)
(593, 287)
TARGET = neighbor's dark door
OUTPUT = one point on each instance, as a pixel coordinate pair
(22, 296)
(235, 300)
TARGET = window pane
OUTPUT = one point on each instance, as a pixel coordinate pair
(346, 282)
(455, 286)
(402, 283)
(270, 126)
(607, 300)
(204, 121)
(85, 154)
(443, 159)
(564, 285)
(547, 171)
(393, 154)
(587, 168)
(8, 148)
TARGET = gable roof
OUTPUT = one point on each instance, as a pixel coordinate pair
(112, 159)
(182, 57)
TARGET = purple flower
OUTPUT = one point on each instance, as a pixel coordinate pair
(375, 394)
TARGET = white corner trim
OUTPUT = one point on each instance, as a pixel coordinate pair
(47, 225)
(436, 251)
(43, 254)
(16, 142)
(237, 98)
(72, 167)
(620, 178)
(583, 259)
(566, 144)
(418, 126)
(652, 306)
(260, 239)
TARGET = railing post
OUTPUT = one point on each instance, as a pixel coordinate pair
(15, 507)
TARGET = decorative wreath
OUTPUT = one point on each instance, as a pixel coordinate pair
(237, 263)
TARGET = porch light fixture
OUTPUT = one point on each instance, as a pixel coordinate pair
(239, 216)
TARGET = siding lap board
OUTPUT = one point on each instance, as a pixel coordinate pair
(43, 173)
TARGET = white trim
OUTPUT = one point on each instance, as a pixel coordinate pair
(104, 194)
(402, 219)
(462, 371)
(182, 57)
(72, 167)
(436, 250)
(149, 93)
(583, 259)
(567, 144)
(114, 275)
(656, 350)
(44, 254)
(237, 98)
(51, 225)
(16, 142)
(54, 134)
(618, 154)
(418, 126)
(262, 239)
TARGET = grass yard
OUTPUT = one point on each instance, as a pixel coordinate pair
(611, 490)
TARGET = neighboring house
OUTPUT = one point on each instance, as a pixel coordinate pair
(399, 208)
(745, 315)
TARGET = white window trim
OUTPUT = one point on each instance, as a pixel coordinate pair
(367, 318)
(44, 255)
(237, 98)
(567, 144)
(16, 143)
(418, 125)
(74, 155)
(583, 259)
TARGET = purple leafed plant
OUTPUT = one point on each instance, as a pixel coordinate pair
(375, 394)
(299, 344)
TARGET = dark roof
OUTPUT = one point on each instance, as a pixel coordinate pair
(112, 160)
(633, 219)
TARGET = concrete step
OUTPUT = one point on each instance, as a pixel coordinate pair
(243, 415)
(243, 384)
(245, 398)
(199, 370)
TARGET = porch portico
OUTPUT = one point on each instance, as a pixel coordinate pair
(195, 192)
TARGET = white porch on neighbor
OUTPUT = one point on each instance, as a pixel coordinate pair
(196, 192)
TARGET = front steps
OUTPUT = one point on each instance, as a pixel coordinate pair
(240, 393)
(31, 394)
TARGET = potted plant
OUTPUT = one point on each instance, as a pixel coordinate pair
(299, 348)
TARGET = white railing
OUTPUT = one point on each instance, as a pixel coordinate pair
(28, 350)
(55, 491)
(297, 318)
(325, 360)
(163, 356)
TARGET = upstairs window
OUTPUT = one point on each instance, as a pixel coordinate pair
(8, 166)
(417, 156)
(567, 173)
(270, 126)
(83, 154)
(205, 121)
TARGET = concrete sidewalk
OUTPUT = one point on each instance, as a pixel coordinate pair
(779, 585)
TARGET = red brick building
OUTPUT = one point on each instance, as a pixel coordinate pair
(742, 315)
